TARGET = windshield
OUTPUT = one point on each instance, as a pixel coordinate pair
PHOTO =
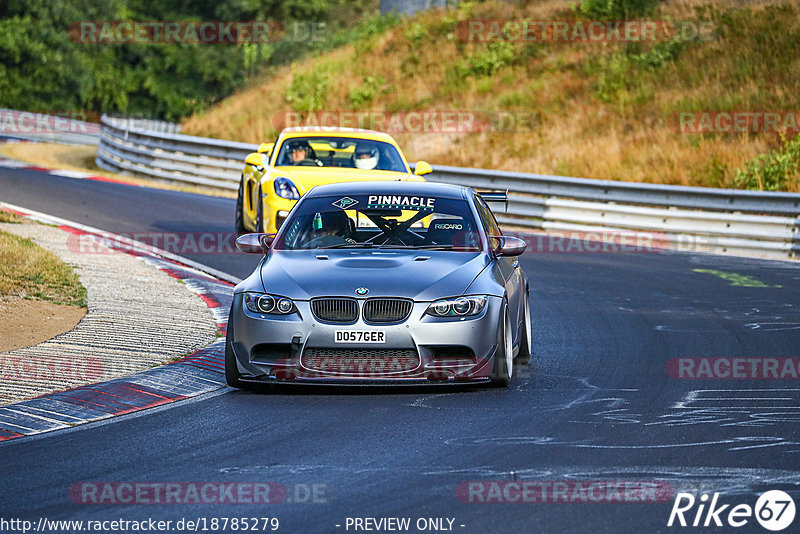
(340, 152)
(385, 221)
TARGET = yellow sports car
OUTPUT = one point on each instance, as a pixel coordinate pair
(276, 176)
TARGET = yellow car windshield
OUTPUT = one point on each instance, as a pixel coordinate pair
(341, 152)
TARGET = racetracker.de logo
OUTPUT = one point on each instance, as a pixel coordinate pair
(600, 242)
(766, 368)
(573, 491)
(192, 32)
(181, 243)
(582, 31)
(24, 122)
(461, 121)
(734, 122)
(21, 369)
(177, 493)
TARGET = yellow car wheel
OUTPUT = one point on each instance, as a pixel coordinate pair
(240, 209)
(260, 211)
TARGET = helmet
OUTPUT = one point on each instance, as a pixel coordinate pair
(337, 220)
(366, 157)
(298, 145)
(293, 146)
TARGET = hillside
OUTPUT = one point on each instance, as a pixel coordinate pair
(594, 109)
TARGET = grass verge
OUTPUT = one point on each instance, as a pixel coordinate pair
(8, 217)
(29, 271)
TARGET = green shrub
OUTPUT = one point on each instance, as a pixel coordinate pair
(615, 9)
(363, 34)
(617, 71)
(772, 171)
(489, 60)
(612, 74)
(416, 34)
(366, 92)
(661, 53)
(307, 91)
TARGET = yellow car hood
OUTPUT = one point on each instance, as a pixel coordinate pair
(304, 178)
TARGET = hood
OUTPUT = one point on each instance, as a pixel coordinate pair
(419, 275)
(307, 177)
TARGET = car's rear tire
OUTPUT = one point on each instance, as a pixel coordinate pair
(525, 340)
(231, 370)
(259, 212)
(239, 222)
(503, 366)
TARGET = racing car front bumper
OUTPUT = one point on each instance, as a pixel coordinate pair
(423, 348)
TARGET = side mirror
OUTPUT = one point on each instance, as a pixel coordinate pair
(254, 243)
(256, 160)
(508, 246)
(266, 148)
(423, 167)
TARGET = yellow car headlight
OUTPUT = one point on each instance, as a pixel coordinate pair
(284, 188)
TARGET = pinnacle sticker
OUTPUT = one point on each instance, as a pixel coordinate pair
(401, 202)
(345, 203)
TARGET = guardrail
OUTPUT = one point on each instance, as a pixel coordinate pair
(759, 223)
(125, 147)
(717, 220)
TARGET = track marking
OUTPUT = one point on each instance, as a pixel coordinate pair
(736, 279)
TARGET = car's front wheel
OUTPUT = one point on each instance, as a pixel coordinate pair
(526, 337)
(231, 370)
(504, 355)
(260, 212)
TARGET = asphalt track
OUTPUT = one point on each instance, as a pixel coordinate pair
(596, 403)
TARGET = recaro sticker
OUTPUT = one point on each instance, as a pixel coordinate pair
(448, 226)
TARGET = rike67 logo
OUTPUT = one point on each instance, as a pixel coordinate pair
(774, 510)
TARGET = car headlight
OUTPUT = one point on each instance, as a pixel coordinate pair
(284, 188)
(269, 304)
(457, 307)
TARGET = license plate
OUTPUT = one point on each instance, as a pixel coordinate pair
(359, 336)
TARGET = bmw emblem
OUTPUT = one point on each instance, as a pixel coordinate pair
(362, 291)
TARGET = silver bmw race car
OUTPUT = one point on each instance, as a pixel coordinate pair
(382, 282)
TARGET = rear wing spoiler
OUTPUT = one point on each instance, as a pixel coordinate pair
(494, 196)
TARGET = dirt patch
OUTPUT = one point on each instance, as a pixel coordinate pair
(28, 322)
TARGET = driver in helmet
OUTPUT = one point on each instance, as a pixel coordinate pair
(330, 228)
(299, 151)
(366, 157)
